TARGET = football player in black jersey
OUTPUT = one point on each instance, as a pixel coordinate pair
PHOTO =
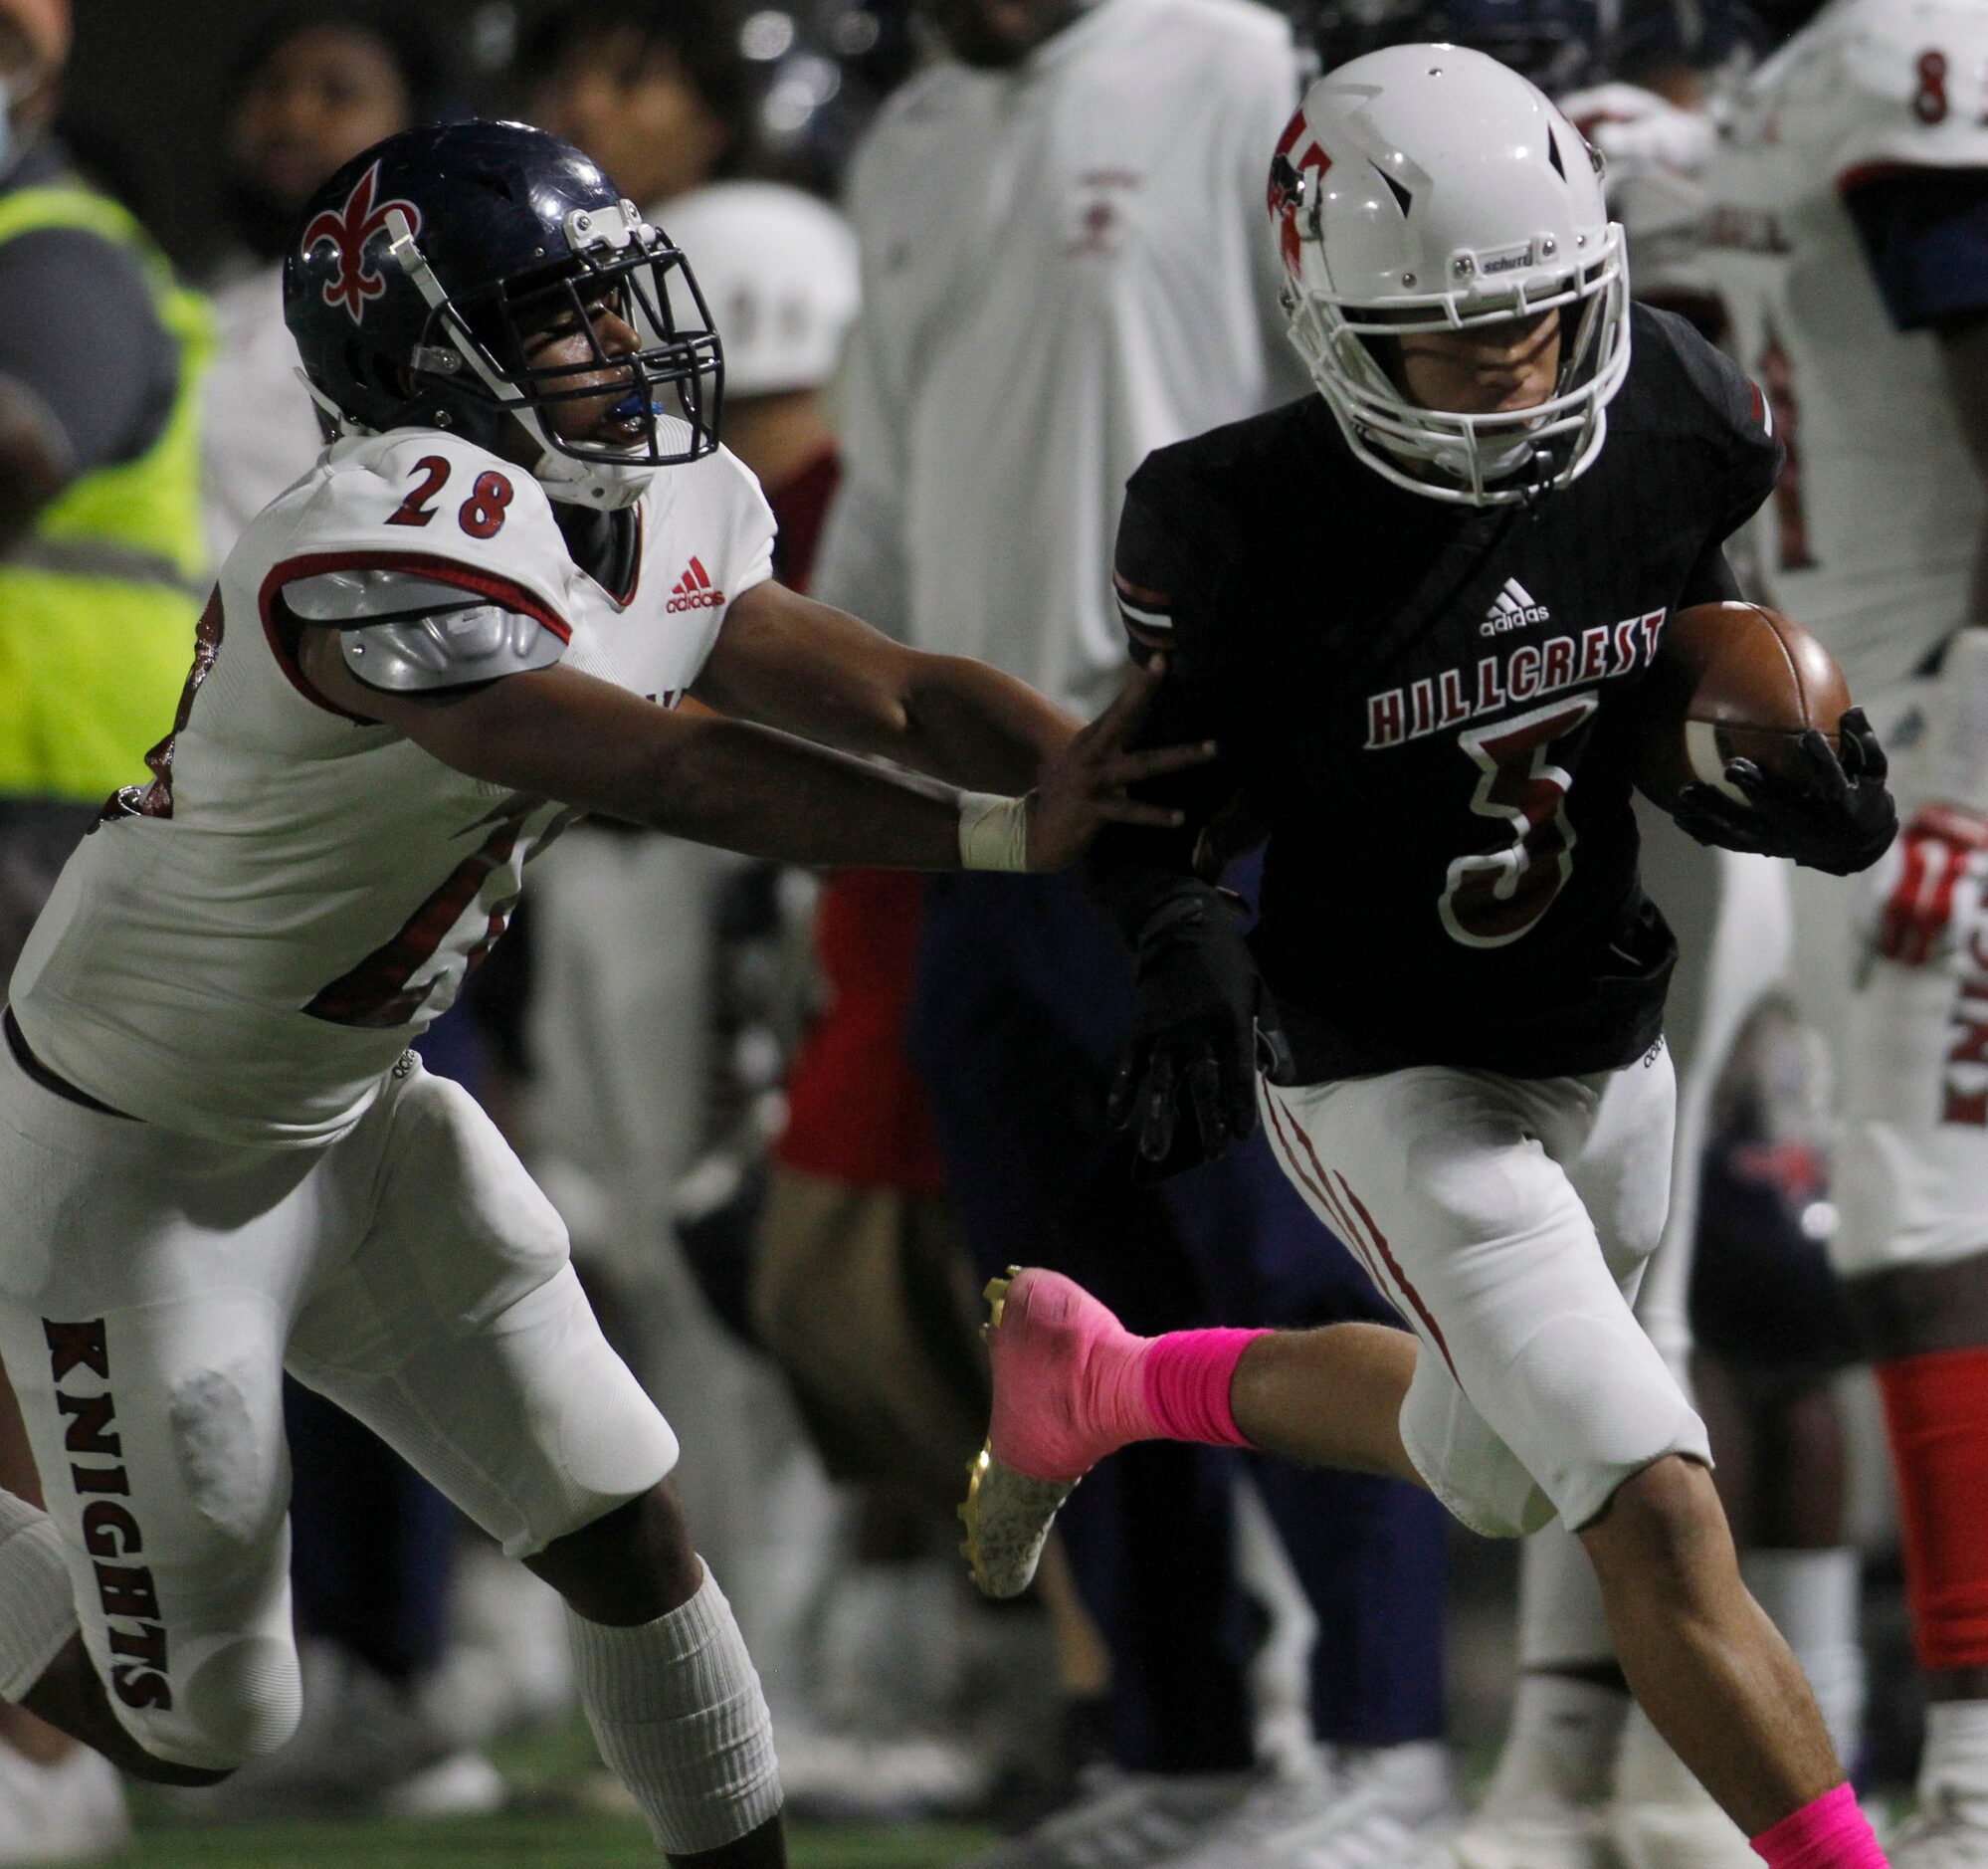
(1415, 613)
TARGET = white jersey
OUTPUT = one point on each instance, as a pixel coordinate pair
(245, 951)
(1870, 540)
(1064, 267)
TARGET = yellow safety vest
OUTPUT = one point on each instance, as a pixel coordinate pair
(98, 602)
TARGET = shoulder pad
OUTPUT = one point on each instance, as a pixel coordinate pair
(449, 649)
(403, 632)
(1869, 84)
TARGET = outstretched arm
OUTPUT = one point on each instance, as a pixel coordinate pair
(786, 661)
(557, 733)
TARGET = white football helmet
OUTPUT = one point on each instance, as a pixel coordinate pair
(780, 272)
(1430, 189)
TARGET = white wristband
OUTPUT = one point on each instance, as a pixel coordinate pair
(993, 832)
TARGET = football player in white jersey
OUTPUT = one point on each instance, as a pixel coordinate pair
(1850, 237)
(474, 618)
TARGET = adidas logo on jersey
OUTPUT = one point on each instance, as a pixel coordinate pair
(1513, 610)
(695, 591)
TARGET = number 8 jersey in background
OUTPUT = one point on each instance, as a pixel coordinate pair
(1422, 703)
(1839, 237)
(243, 948)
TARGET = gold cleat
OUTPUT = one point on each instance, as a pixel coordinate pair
(996, 1297)
(1007, 1517)
(1007, 1514)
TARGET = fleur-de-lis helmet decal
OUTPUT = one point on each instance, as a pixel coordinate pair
(350, 230)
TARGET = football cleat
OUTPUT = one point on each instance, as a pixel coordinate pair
(1951, 1831)
(1679, 1836)
(1055, 1352)
(1562, 1839)
(1120, 1821)
(1378, 1807)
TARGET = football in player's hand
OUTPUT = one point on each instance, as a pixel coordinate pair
(1732, 681)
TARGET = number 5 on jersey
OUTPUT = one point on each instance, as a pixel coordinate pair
(1494, 897)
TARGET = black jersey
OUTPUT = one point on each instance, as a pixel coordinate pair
(1425, 705)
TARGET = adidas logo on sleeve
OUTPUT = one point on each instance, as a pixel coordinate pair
(695, 591)
(1513, 610)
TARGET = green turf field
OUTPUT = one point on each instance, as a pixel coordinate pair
(527, 1841)
(566, 1814)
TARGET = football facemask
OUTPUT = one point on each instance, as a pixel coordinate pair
(670, 383)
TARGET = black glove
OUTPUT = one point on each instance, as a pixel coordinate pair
(1199, 1022)
(1842, 821)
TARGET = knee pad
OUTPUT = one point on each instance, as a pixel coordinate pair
(1936, 1415)
(234, 1699)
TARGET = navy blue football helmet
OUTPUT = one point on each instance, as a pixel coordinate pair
(417, 272)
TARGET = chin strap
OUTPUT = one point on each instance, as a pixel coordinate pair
(342, 424)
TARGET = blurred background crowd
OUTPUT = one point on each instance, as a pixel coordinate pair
(792, 1123)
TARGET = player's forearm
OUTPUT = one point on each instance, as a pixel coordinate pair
(752, 790)
(972, 725)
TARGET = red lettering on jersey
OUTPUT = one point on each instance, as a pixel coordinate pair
(1594, 654)
(1791, 514)
(1625, 645)
(1422, 707)
(481, 514)
(694, 591)
(418, 508)
(1653, 627)
(1971, 1111)
(381, 992)
(1455, 703)
(1384, 720)
(1521, 677)
(1559, 663)
(1490, 695)
(1972, 1045)
(349, 230)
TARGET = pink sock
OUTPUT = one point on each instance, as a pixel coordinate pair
(1831, 1833)
(1188, 1375)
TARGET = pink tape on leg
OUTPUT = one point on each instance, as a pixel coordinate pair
(1831, 1833)
(1188, 1375)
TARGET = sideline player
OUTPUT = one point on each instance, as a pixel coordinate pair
(219, 1156)
(1850, 239)
(1471, 1083)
